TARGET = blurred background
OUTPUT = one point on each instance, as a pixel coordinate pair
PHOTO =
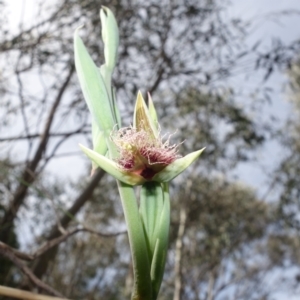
(224, 75)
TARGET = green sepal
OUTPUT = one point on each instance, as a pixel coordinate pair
(112, 167)
(177, 167)
(93, 87)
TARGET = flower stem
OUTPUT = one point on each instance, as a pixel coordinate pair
(142, 289)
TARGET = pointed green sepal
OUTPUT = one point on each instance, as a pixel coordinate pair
(177, 167)
(113, 168)
(93, 87)
(142, 119)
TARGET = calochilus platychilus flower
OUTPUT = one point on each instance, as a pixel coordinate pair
(134, 155)
(142, 154)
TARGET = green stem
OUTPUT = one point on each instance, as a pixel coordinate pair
(142, 289)
(162, 236)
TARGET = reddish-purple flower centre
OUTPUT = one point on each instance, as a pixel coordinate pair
(141, 153)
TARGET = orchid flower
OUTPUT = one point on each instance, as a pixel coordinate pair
(134, 155)
(142, 154)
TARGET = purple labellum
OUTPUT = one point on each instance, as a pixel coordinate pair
(141, 153)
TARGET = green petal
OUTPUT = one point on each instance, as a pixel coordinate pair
(178, 166)
(112, 167)
(142, 119)
(93, 87)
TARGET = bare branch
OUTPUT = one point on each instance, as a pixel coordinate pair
(6, 252)
(37, 135)
(17, 253)
(55, 242)
(29, 173)
(41, 265)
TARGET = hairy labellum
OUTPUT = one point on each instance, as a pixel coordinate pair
(141, 153)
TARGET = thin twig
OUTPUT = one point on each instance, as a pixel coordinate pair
(54, 242)
(38, 135)
(41, 264)
(17, 253)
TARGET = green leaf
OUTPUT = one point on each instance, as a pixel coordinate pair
(177, 167)
(151, 205)
(110, 37)
(106, 75)
(161, 234)
(116, 109)
(142, 289)
(93, 87)
(155, 215)
(99, 143)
